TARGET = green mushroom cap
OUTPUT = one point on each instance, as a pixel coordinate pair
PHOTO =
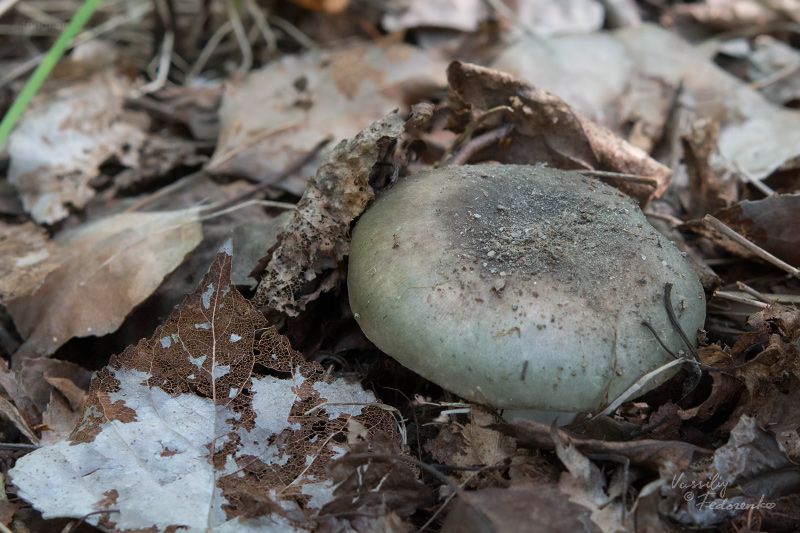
(519, 287)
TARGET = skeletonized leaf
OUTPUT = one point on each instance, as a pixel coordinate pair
(106, 269)
(213, 424)
(317, 238)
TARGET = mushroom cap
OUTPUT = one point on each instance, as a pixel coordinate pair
(519, 286)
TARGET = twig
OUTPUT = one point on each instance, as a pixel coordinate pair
(646, 324)
(750, 290)
(469, 130)
(263, 26)
(673, 220)
(622, 176)
(747, 177)
(136, 11)
(241, 37)
(775, 77)
(674, 320)
(289, 170)
(751, 247)
(165, 59)
(405, 459)
(218, 159)
(9, 446)
(739, 299)
(209, 48)
(84, 517)
(293, 32)
(477, 144)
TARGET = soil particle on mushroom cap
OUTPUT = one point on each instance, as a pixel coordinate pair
(558, 282)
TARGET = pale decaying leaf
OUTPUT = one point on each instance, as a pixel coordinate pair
(60, 143)
(281, 112)
(753, 133)
(543, 17)
(547, 130)
(25, 259)
(317, 238)
(213, 424)
(107, 267)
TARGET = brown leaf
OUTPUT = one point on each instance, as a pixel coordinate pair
(771, 223)
(523, 507)
(107, 268)
(753, 460)
(45, 392)
(317, 238)
(711, 184)
(305, 98)
(547, 130)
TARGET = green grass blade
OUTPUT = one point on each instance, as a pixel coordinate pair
(45, 67)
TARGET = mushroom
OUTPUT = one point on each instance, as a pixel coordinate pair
(520, 287)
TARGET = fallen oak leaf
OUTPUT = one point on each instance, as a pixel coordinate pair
(205, 427)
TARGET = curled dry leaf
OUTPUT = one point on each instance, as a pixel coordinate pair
(303, 99)
(753, 133)
(771, 223)
(25, 259)
(316, 239)
(106, 268)
(60, 143)
(213, 424)
(48, 393)
(547, 130)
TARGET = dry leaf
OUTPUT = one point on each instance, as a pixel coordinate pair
(213, 424)
(754, 461)
(317, 238)
(60, 143)
(712, 186)
(44, 392)
(723, 15)
(25, 259)
(523, 507)
(753, 133)
(107, 267)
(301, 100)
(543, 17)
(771, 223)
(547, 130)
